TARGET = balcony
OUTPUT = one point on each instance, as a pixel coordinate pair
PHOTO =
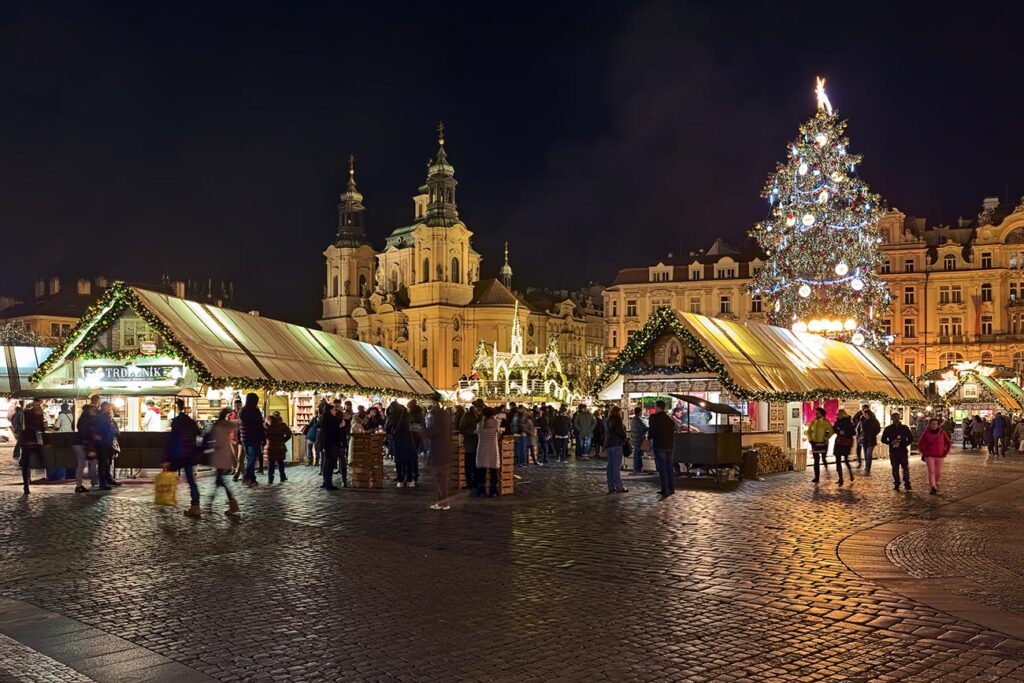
(952, 339)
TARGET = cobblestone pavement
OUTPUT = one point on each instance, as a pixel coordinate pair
(21, 663)
(560, 581)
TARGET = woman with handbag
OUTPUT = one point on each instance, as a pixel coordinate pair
(845, 434)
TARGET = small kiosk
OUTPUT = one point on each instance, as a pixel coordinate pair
(141, 349)
(718, 444)
(770, 377)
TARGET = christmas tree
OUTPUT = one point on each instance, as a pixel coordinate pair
(822, 239)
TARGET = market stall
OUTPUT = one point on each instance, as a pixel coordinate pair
(972, 388)
(771, 376)
(136, 345)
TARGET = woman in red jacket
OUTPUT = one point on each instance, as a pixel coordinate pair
(934, 444)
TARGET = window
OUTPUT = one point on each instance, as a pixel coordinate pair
(334, 286)
(986, 292)
(615, 309)
(951, 358)
(951, 327)
(887, 328)
(455, 358)
(725, 304)
(631, 308)
(132, 331)
(908, 265)
(957, 293)
(986, 324)
(425, 277)
(886, 267)
(944, 294)
(909, 364)
(695, 274)
(661, 275)
(529, 329)
(614, 339)
(986, 260)
(695, 304)
(909, 328)
(54, 329)
(362, 286)
(423, 358)
(950, 294)
(659, 304)
(949, 262)
(908, 296)
(456, 273)
(65, 328)
(726, 274)
(629, 334)
(986, 357)
(755, 303)
(1018, 361)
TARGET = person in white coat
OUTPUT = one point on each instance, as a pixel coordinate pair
(488, 453)
(151, 420)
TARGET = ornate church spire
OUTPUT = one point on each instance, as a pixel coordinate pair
(440, 187)
(506, 270)
(350, 212)
(517, 332)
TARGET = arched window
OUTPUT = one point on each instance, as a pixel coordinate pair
(986, 358)
(950, 358)
(394, 280)
(362, 285)
(348, 287)
(949, 262)
(986, 292)
(1018, 361)
(455, 358)
(425, 277)
(423, 358)
(456, 275)
(334, 286)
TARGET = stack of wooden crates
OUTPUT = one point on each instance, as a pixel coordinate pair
(366, 458)
(506, 475)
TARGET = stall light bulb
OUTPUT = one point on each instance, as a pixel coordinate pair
(842, 269)
(858, 339)
(850, 325)
(814, 326)
(804, 291)
(835, 326)
(800, 326)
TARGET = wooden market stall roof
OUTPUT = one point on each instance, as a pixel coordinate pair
(762, 362)
(230, 348)
(1001, 392)
(17, 363)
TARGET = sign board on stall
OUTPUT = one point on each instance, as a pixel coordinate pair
(111, 374)
(147, 348)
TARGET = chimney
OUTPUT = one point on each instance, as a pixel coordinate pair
(100, 282)
(54, 284)
(83, 286)
(40, 289)
(179, 288)
(990, 203)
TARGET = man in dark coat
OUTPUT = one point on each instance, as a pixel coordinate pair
(467, 427)
(662, 430)
(330, 431)
(181, 453)
(439, 435)
(252, 433)
(898, 438)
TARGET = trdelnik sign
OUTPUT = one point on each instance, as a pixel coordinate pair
(120, 374)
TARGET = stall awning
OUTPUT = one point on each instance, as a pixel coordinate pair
(231, 348)
(756, 360)
(17, 363)
(1002, 395)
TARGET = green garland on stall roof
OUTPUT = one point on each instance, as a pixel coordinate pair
(665, 320)
(120, 296)
(125, 354)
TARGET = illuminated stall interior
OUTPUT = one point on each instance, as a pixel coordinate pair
(971, 388)
(773, 376)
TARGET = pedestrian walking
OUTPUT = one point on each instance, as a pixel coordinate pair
(600, 433)
(865, 409)
(330, 436)
(638, 437)
(222, 457)
(30, 441)
(845, 433)
(819, 430)
(253, 434)
(278, 436)
(439, 435)
(616, 443)
(104, 435)
(181, 453)
(488, 453)
(399, 426)
(999, 432)
(583, 422)
(561, 428)
(467, 428)
(868, 430)
(934, 445)
(977, 432)
(662, 430)
(85, 450)
(898, 437)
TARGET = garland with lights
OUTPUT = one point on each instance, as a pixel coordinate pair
(665, 321)
(821, 238)
(120, 297)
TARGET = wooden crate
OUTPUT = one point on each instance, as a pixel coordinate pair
(506, 473)
(456, 469)
(366, 459)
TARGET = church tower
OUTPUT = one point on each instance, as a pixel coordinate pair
(350, 263)
(505, 274)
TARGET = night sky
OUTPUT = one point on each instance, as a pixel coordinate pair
(212, 139)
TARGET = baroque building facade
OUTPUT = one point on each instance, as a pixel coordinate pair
(423, 295)
(957, 292)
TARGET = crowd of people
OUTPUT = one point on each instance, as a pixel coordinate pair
(864, 432)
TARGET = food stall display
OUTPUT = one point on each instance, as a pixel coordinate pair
(717, 443)
(971, 388)
(136, 344)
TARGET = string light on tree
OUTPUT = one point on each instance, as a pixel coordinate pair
(822, 237)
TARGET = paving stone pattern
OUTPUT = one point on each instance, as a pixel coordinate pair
(560, 581)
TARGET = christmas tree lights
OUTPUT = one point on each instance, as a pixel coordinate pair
(822, 239)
